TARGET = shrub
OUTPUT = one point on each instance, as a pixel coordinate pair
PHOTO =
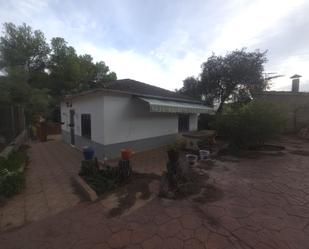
(179, 144)
(14, 160)
(12, 180)
(250, 125)
(88, 168)
(100, 180)
(11, 183)
(104, 180)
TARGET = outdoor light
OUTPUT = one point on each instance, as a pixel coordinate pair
(69, 104)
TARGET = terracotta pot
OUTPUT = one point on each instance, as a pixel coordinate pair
(126, 154)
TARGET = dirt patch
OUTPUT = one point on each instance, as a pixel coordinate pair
(227, 154)
(272, 153)
(206, 165)
(209, 194)
(238, 154)
(189, 181)
(300, 152)
(136, 189)
(269, 147)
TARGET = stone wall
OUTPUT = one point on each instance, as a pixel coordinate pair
(294, 105)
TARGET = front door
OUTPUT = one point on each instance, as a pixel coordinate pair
(72, 128)
(183, 123)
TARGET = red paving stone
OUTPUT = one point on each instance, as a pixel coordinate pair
(48, 188)
(265, 205)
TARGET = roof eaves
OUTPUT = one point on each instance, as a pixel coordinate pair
(100, 90)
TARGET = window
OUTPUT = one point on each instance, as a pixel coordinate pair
(183, 123)
(86, 125)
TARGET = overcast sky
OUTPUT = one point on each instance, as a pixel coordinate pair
(162, 42)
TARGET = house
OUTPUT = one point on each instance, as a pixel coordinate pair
(293, 104)
(127, 114)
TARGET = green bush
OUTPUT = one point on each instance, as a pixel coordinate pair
(100, 180)
(14, 160)
(11, 183)
(12, 180)
(250, 125)
(88, 168)
(104, 180)
(179, 144)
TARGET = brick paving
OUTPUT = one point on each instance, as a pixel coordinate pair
(265, 205)
(48, 185)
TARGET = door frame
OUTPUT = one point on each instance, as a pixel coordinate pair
(183, 123)
(72, 127)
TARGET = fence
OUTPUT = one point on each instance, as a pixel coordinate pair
(53, 128)
(12, 122)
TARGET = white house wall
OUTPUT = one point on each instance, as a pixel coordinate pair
(90, 104)
(193, 121)
(120, 121)
(129, 119)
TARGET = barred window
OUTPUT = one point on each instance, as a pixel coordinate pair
(86, 125)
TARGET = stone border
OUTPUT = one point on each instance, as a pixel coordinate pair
(17, 142)
(86, 190)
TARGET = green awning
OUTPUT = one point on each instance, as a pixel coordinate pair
(168, 106)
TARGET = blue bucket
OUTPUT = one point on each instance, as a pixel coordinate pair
(88, 153)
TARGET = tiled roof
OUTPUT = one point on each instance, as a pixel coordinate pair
(139, 88)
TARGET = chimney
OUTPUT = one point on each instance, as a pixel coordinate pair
(295, 83)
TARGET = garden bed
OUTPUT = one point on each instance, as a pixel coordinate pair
(118, 190)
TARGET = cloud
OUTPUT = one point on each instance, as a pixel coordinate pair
(247, 24)
(130, 64)
(289, 66)
(162, 42)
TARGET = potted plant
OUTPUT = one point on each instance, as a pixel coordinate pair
(173, 152)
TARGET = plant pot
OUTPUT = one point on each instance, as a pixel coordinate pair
(88, 153)
(173, 155)
(204, 154)
(191, 159)
(126, 154)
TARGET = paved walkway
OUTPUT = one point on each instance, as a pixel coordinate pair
(265, 205)
(48, 185)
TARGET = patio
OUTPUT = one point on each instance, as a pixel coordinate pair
(265, 204)
(48, 188)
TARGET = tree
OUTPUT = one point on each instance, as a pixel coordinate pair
(190, 87)
(238, 73)
(103, 74)
(64, 67)
(72, 73)
(87, 72)
(36, 75)
(22, 47)
(251, 125)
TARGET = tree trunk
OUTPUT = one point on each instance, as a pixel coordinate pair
(220, 108)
